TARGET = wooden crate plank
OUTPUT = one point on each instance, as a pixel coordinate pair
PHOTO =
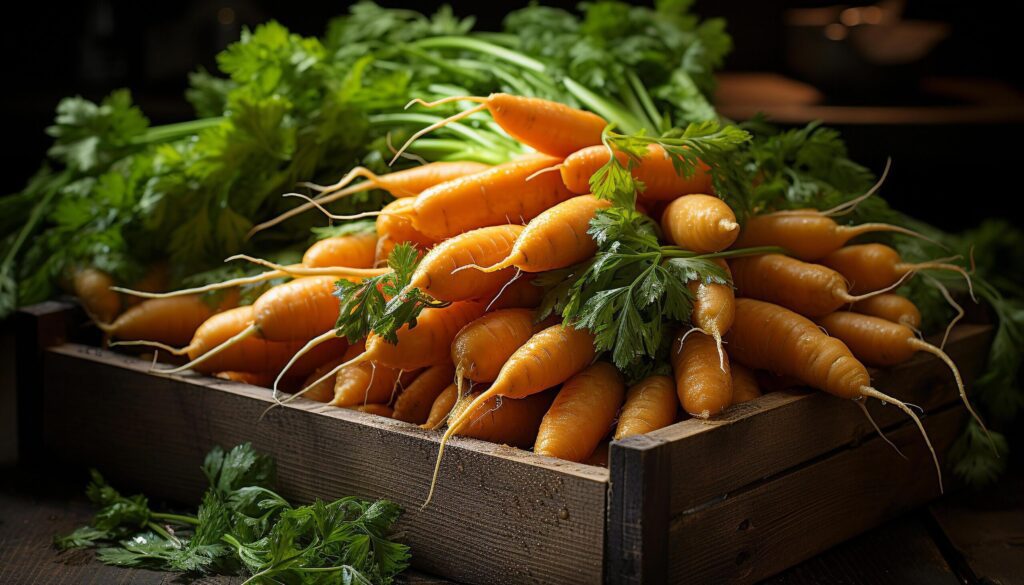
(900, 552)
(783, 429)
(499, 515)
(36, 328)
(775, 524)
(638, 515)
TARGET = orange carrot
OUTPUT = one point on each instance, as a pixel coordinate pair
(261, 379)
(744, 384)
(550, 357)
(700, 223)
(355, 251)
(92, 287)
(482, 347)
(504, 420)
(364, 383)
(873, 266)
(546, 126)
(521, 293)
(581, 414)
(439, 274)
(651, 404)
(170, 321)
(442, 405)
(557, 238)
(879, 342)
(404, 183)
(497, 196)
(414, 403)
(809, 289)
(703, 382)
(807, 234)
(891, 307)
(655, 171)
(770, 337)
(713, 308)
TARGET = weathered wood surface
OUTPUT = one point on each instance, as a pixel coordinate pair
(638, 514)
(768, 526)
(499, 515)
(782, 429)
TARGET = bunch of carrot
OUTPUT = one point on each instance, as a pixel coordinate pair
(476, 359)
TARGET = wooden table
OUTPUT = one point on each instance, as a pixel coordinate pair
(963, 538)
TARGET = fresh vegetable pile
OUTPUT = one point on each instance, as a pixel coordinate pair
(243, 526)
(571, 244)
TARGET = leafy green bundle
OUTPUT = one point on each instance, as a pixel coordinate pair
(242, 524)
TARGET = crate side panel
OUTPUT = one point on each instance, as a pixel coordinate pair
(782, 521)
(496, 516)
(783, 429)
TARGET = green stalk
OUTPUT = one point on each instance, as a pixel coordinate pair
(442, 149)
(480, 46)
(645, 98)
(176, 518)
(170, 132)
(604, 108)
(443, 64)
(414, 118)
(632, 103)
(33, 219)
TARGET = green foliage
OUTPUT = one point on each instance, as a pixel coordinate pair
(242, 525)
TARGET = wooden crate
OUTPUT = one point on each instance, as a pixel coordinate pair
(737, 499)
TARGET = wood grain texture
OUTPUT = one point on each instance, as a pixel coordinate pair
(499, 515)
(638, 515)
(782, 429)
(771, 525)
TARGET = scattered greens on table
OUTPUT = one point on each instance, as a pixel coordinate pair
(118, 194)
(243, 527)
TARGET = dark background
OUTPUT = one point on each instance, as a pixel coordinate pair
(952, 167)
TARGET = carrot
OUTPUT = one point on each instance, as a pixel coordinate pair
(424, 345)
(294, 311)
(655, 171)
(504, 420)
(262, 379)
(744, 384)
(404, 183)
(546, 126)
(807, 234)
(482, 347)
(438, 273)
(878, 342)
(324, 390)
(651, 404)
(582, 413)
(700, 223)
(252, 354)
(394, 226)
(93, 289)
(156, 279)
(548, 358)
(377, 409)
(770, 337)
(703, 379)
(497, 196)
(874, 266)
(891, 307)
(414, 403)
(809, 289)
(355, 251)
(555, 239)
(442, 405)
(519, 293)
(713, 308)
(364, 383)
(170, 321)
